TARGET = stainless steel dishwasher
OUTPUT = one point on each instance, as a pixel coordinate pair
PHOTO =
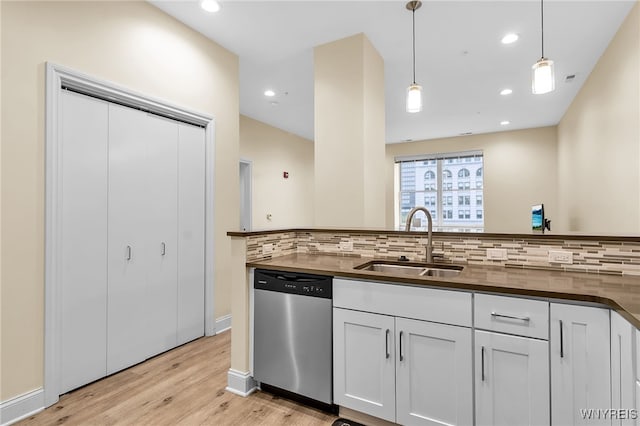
(292, 333)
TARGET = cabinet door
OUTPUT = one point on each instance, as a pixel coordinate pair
(127, 341)
(433, 374)
(622, 374)
(637, 407)
(161, 172)
(191, 179)
(511, 380)
(83, 249)
(580, 364)
(364, 363)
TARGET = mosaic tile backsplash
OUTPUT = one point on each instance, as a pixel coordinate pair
(590, 256)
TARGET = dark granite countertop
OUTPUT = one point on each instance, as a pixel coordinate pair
(620, 293)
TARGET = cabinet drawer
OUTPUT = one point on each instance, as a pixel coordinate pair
(444, 306)
(524, 317)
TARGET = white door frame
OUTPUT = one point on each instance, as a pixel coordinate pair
(248, 172)
(56, 77)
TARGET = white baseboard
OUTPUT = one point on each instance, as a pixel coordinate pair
(223, 323)
(240, 383)
(21, 407)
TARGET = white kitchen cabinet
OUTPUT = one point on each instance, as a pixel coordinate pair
(637, 360)
(511, 380)
(623, 383)
(580, 363)
(434, 379)
(364, 362)
(402, 370)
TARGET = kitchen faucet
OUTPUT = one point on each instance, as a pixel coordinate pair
(429, 246)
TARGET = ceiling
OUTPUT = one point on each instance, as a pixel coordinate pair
(460, 61)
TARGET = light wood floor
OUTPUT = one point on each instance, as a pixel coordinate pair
(185, 386)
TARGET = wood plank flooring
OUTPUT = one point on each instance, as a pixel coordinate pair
(185, 386)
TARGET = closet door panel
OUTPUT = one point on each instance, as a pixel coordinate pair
(162, 225)
(83, 297)
(127, 341)
(191, 220)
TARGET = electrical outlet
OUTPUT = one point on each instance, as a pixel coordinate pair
(267, 248)
(560, 256)
(346, 245)
(497, 254)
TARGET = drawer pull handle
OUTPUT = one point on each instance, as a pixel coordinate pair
(401, 354)
(497, 315)
(561, 340)
(482, 362)
(128, 253)
(163, 249)
(386, 344)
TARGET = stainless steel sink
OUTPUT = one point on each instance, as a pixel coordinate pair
(412, 269)
(394, 269)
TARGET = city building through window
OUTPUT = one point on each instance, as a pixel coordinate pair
(449, 185)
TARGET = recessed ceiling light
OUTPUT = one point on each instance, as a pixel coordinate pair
(510, 38)
(505, 122)
(269, 93)
(505, 92)
(210, 5)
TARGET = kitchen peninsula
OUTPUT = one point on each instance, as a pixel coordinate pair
(602, 277)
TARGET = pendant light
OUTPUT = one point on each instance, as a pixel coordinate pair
(542, 75)
(414, 91)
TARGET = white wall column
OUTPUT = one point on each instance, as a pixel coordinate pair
(349, 134)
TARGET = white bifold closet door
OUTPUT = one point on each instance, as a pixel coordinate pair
(191, 231)
(83, 243)
(133, 237)
(142, 226)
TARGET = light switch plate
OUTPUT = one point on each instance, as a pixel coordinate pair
(267, 248)
(346, 245)
(497, 254)
(560, 256)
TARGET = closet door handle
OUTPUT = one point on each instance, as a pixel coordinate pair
(128, 252)
(163, 250)
(401, 354)
(561, 340)
(482, 362)
(386, 344)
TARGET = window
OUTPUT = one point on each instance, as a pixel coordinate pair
(446, 184)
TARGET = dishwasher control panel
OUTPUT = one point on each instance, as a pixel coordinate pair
(293, 283)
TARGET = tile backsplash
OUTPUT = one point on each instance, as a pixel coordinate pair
(590, 256)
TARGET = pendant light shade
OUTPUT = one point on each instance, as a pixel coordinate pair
(414, 91)
(542, 76)
(414, 98)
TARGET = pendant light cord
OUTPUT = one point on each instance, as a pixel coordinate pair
(542, 25)
(414, 44)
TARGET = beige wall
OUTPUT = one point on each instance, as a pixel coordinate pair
(349, 134)
(134, 45)
(271, 152)
(519, 171)
(599, 142)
